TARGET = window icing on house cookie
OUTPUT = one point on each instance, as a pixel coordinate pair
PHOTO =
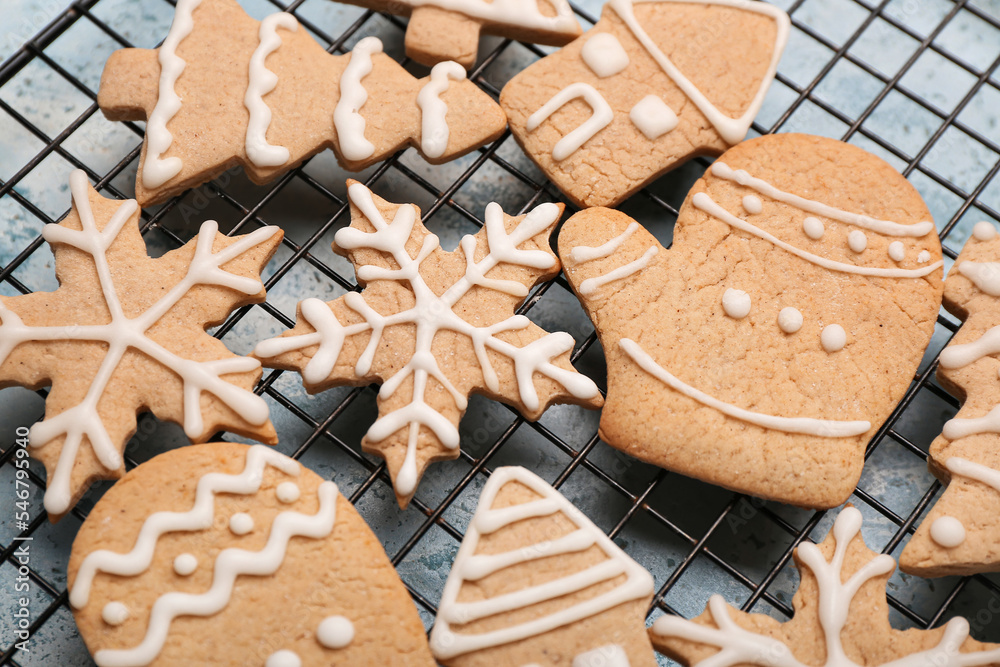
(601, 116)
(604, 54)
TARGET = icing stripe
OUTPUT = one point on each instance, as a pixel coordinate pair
(262, 82)
(887, 227)
(984, 275)
(582, 253)
(732, 130)
(591, 285)
(975, 471)
(826, 428)
(479, 566)
(523, 13)
(600, 118)
(963, 354)
(705, 203)
(350, 124)
(155, 169)
(434, 112)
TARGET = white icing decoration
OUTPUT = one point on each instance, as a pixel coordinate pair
(857, 241)
(897, 252)
(736, 303)
(283, 658)
(431, 314)
(434, 112)
(732, 130)
(739, 646)
(924, 256)
(984, 275)
(604, 54)
(653, 117)
(262, 82)
(752, 204)
(611, 655)
(582, 253)
(240, 523)
(157, 170)
(522, 13)
(287, 492)
(114, 613)
(123, 333)
(591, 285)
(185, 564)
(984, 231)
(600, 118)
(975, 471)
(446, 643)
(886, 227)
(705, 203)
(827, 428)
(347, 119)
(790, 320)
(948, 532)
(335, 632)
(833, 338)
(959, 355)
(813, 227)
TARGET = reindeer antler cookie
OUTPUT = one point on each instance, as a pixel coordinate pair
(763, 349)
(226, 89)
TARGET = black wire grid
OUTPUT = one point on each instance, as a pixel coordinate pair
(721, 542)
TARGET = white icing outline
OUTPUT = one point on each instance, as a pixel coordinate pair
(123, 333)
(431, 314)
(600, 118)
(434, 129)
(262, 82)
(582, 254)
(347, 119)
(447, 644)
(591, 285)
(732, 130)
(825, 428)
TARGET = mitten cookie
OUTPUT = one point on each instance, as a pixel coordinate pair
(763, 350)
(961, 533)
(441, 30)
(225, 554)
(226, 89)
(125, 333)
(434, 327)
(536, 583)
(653, 84)
(841, 619)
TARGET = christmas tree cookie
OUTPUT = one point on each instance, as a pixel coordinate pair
(125, 333)
(224, 89)
(433, 327)
(767, 345)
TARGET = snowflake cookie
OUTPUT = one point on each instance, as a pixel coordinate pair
(536, 583)
(763, 349)
(653, 84)
(434, 327)
(125, 333)
(224, 89)
(841, 618)
(961, 532)
(224, 554)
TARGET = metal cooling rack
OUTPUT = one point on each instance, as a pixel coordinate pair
(914, 81)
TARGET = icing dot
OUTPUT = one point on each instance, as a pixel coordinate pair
(604, 55)
(185, 564)
(790, 320)
(752, 204)
(896, 251)
(241, 523)
(736, 303)
(283, 658)
(114, 613)
(813, 227)
(287, 492)
(833, 338)
(947, 531)
(857, 241)
(984, 231)
(335, 632)
(924, 257)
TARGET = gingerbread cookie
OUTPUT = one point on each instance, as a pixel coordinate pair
(441, 30)
(961, 532)
(433, 327)
(841, 619)
(536, 583)
(653, 84)
(243, 544)
(226, 89)
(125, 333)
(766, 346)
